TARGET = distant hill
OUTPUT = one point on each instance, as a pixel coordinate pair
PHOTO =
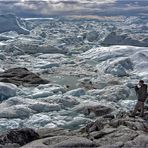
(10, 22)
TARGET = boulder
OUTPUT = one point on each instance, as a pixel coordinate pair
(7, 90)
(18, 136)
(21, 76)
(96, 108)
(99, 110)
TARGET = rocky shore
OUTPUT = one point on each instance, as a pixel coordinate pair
(121, 131)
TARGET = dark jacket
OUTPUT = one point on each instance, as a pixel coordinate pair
(141, 92)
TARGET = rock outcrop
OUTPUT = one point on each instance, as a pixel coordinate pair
(121, 131)
(21, 76)
(18, 136)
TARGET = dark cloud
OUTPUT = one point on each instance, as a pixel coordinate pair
(35, 8)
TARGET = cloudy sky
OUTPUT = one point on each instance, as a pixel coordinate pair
(34, 8)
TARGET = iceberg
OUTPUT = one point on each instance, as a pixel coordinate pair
(7, 90)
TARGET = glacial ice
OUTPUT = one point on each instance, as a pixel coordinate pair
(1, 70)
(2, 56)
(77, 121)
(41, 94)
(118, 54)
(7, 90)
(38, 120)
(49, 65)
(77, 92)
(10, 124)
(123, 39)
(44, 107)
(16, 111)
(70, 55)
(92, 36)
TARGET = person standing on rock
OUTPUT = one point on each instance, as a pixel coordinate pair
(141, 91)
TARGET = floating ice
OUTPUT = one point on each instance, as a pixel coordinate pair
(44, 107)
(17, 111)
(76, 92)
(37, 121)
(7, 90)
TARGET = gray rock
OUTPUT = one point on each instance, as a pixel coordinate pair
(18, 136)
(21, 76)
(140, 141)
(99, 110)
(75, 142)
(10, 145)
(122, 134)
(61, 141)
(51, 132)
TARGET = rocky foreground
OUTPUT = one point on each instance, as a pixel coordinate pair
(121, 131)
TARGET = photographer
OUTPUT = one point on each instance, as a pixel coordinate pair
(141, 91)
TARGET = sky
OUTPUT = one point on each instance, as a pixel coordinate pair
(35, 8)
